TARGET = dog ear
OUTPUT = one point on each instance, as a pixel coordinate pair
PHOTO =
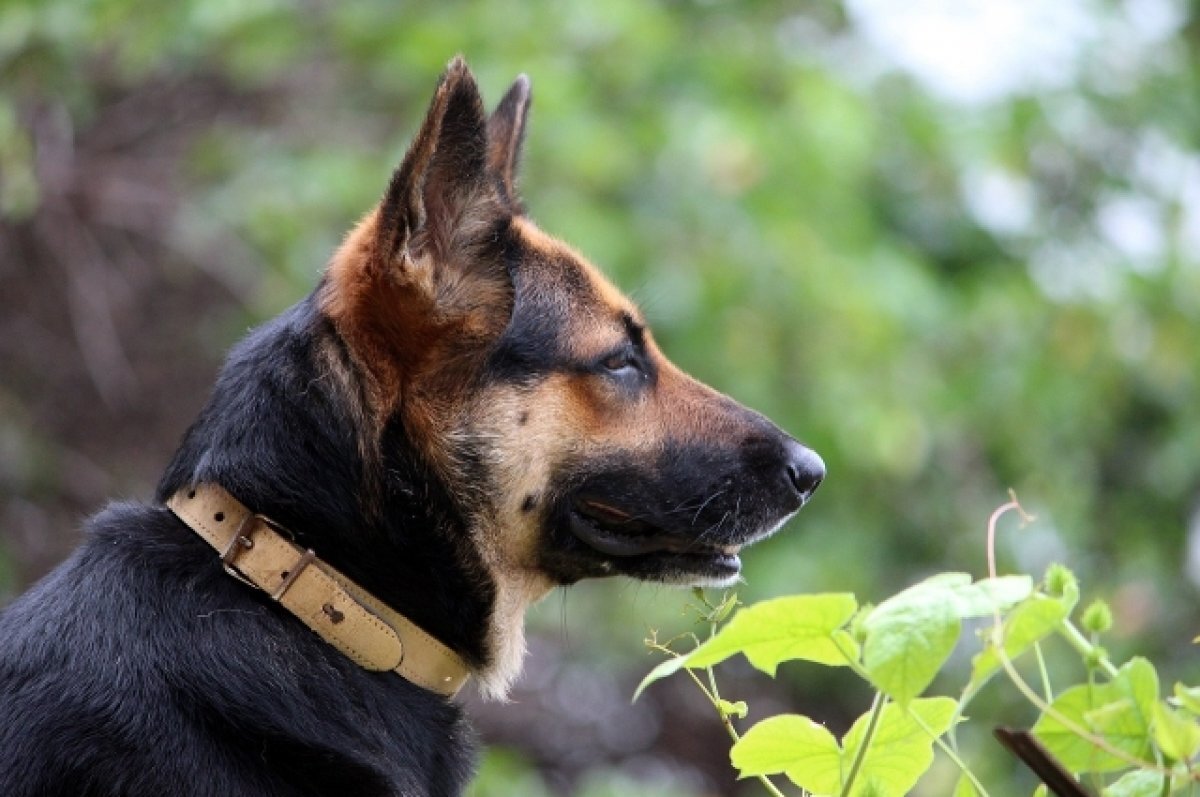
(441, 180)
(505, 134)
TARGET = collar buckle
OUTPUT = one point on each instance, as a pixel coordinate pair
(243, 540)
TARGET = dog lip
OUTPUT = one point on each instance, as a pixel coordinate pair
(590, 530)
(596, 524)
(711, 567)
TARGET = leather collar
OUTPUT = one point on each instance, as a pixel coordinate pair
(257, 551)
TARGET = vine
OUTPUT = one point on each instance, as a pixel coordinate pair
(1113, 732)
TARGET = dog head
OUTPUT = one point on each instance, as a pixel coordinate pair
(465, 413)
(534, 388)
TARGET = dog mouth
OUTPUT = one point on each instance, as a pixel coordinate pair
(625, 537)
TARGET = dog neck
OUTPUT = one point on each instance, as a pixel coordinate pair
(282, 432)
(256, 551)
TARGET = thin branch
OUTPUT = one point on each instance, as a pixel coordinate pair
(868, 736)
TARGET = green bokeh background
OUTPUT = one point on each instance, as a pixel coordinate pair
(946, 290)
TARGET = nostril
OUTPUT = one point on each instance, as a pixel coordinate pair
(805, 469)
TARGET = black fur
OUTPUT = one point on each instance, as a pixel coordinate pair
(688, 496)
(278, 436)
(139, 667)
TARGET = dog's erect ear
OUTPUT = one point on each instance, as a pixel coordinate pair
(442, 177)
(505, 133)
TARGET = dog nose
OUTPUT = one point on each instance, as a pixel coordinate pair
(805, 469)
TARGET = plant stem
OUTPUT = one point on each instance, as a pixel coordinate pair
(868, 736)
(771, 788)
(1085, 648)
(1076, 639)
(714, 698)
(951, 754)
(712, 678)
(1041, 660)
(1097, 741)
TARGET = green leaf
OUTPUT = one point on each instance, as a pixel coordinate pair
(1138, 680)
(1125, 718)
(795, 627)
(1188, 697)
(1129, 700)
(1101, 709)
(942, 581)
(909, 638)
(664, 668)
(1177, 736)
(1136, 783)
(1122, 725)
(794, 744)
(1077, 754)
(808, 754)
(989, 595)
(901, 751)
(1030, 622)
(910, 635)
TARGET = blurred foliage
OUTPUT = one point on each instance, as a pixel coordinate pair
(944, 293)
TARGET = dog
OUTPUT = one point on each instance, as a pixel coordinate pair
(463, 415)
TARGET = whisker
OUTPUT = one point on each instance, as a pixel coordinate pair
(707, 501)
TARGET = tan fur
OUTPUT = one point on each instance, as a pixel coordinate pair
(404, 321)
(368, 308)
(678, 403)
(523, 456)
(597, 318)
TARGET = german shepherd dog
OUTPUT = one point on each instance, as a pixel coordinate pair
(461, 416)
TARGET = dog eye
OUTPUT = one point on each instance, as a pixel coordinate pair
(621, 364)
(615, 362)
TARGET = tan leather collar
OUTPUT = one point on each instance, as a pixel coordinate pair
(257, 551)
